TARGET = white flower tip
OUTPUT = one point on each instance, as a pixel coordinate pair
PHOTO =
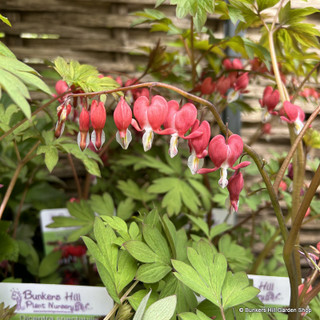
(223, 182)
(173, 149)
(147, 140)
(124, 142)
(194, 163)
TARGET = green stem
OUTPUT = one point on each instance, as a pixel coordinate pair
(123, 298)
(294, 146)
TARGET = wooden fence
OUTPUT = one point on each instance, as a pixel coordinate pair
(98, 32)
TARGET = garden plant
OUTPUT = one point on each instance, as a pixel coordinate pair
(159, 158)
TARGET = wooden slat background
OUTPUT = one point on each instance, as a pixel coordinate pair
(98, 32)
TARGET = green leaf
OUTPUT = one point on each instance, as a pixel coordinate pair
(81, 210)
(102, 205)
(163, 309)
(51, 158)
(132, 190)
(126, 209)
(157, 243)
(186, 299)
(126, 270)
(136, 298)
(140, 311)
(117, 224)
(176, 190)
(152, 273)
(105, 237)
(49, 264)
(204, 277)
(199, 222)
(5, 51)
(218, 229)
(108, 281)
(16, 90)
(159, 3)
(140, 251)
(5, 20)
(9, 249)
(27, 251)
(264, 4)
(191, 316)
(236, 290)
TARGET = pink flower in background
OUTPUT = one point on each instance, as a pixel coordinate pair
(83, 138)
(180, 120)
(122, 118)
(295, 116)
(150, 117)
(235, 185)
(242, 82)
(61, 87)
(207, 86)
(98, 119)
(270, 100)
(198, 142)
(136, 93)
(224, 154)
(300, 288)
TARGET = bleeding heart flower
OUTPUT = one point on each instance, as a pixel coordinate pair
(83, 138)
(235, 185)
(207, 86)
(224, 154)
(98, 120)
(270, 100)
(62, 112)
(295, 116)
(61, 87)
(122, 118)
(180, 121)
(242, 82)
(223, 85)
(198, 141)
(150, 117)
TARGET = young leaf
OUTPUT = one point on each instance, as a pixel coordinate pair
(163, 309)
(136, 298)
(140, 311)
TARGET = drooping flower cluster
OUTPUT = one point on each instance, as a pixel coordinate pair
(230, 85)
(98, 118)
(157, 116)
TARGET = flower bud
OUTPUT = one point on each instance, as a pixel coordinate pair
(98, 120)
(235, 185)
(84, 123)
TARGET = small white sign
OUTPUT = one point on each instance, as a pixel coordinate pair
(51, 299)
(273, 290)
(46, 216)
